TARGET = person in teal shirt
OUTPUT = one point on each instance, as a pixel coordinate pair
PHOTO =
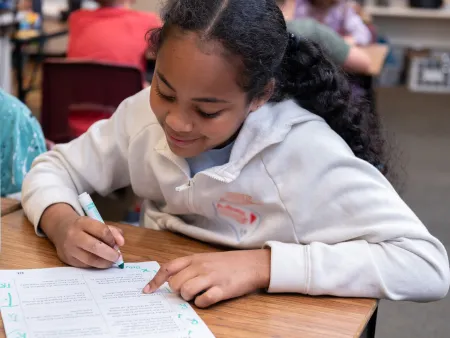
(21, 141)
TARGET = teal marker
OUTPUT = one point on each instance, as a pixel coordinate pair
(91, 210)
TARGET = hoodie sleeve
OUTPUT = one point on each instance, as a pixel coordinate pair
(355, 235)
(96, 161)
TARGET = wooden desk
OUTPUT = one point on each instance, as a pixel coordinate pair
(377, 54)
(256, 315)
(50, 28)
(9, 205)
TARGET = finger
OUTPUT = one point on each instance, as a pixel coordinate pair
(96, 247)
(167, 270)
(117, 234)
(72, 261)
(78, 264)
(210, 297)
(194, 286)
(91, 260)
(177, 280)
(98, 230)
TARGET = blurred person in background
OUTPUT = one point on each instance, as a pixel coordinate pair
(113, 33)
(339, 15)
(350, 57)
(21, 141)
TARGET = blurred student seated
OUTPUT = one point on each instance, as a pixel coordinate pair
(339, 15)
(350, 57)
(112, 33)
(21, 141)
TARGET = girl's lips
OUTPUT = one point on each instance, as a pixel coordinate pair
(180, 142)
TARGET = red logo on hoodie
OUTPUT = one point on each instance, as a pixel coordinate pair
(231, 207)
(240, 215)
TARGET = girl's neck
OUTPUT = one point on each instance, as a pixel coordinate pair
(230, 140)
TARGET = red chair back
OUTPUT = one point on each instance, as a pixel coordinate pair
(77, 93)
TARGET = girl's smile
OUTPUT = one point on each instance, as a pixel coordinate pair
(181, 142)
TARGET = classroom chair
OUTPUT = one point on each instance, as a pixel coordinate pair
(77, 93)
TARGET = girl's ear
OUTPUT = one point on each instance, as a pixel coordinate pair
(264, 97)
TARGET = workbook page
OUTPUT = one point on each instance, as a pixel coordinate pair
(78, 303)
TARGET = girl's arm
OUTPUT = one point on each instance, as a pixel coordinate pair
(357, 61)
(356, 237)
(96, 161)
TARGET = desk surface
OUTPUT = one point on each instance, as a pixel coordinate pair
(50, 28)
(9, 205)
(256, 315)
(377, 54)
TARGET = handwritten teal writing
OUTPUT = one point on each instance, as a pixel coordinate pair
(193, 321)
(12, 317)
(16, 334)
(136, 267)
(5, 286)
(184, 306)
(6, 301)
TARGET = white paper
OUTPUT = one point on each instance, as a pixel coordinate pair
(78, 303)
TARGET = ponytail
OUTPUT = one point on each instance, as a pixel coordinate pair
(316, 84)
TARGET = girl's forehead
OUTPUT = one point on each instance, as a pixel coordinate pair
(187, 61)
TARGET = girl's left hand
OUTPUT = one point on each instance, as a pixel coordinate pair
(219, 276)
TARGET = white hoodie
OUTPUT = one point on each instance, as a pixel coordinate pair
(333, 222)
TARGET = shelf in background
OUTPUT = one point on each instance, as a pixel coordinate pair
(407, 12)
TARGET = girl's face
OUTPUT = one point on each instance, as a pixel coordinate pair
(195, 95)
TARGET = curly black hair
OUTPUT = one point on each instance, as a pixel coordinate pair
(255, 32)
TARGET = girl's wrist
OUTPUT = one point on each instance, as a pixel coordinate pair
(263, 262)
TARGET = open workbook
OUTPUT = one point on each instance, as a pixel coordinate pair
(78, 303)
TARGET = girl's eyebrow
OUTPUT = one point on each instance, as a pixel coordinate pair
(197, 99)
(163, 79)
(209, 100)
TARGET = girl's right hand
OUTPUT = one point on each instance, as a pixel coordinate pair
(81, 241)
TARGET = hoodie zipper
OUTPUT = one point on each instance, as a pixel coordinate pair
(189, 186)
(190, 183)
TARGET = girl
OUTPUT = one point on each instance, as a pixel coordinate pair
(245, 139)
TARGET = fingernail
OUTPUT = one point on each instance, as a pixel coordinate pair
(147, 288)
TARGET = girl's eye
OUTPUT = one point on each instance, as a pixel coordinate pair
(208, 115)
(164, 97)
